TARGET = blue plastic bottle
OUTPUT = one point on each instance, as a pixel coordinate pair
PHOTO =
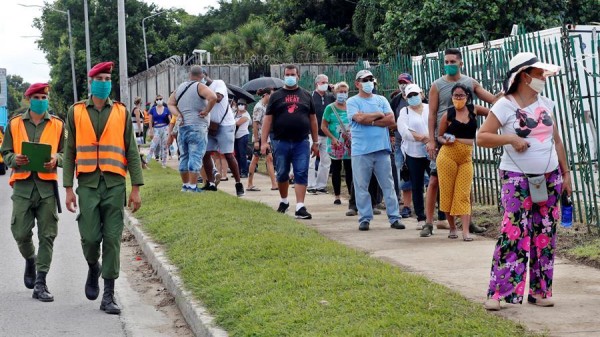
(566, 211)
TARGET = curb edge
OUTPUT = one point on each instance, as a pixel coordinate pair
(200, 321)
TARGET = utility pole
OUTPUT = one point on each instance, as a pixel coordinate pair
(123, 79)
(88, 60)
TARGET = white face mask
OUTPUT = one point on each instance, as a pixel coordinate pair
(241, 107)
(159, 102)
(323, 87)
(536, 84)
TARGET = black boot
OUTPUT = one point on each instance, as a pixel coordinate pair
(29, 277)
(92, 288)
(40, 290)
(109, 304)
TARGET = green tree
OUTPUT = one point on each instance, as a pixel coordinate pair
(163, 35)
(419, 26)
(16, 89)
(331, 19)
(367, 20)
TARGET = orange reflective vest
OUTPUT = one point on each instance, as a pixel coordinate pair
(51, 135)
(146, 117)
(108, 153)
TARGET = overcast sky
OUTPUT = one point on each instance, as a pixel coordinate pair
(19, 53)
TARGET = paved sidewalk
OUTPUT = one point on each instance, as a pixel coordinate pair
(461, 266)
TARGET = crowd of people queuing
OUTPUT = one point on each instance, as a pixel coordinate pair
(416, 150)
(404, 157)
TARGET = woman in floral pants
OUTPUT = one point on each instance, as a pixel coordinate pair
(533, 150)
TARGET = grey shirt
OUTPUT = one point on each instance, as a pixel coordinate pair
(444, 89)
(191, 104)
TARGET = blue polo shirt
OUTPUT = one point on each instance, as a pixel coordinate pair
(366, 138)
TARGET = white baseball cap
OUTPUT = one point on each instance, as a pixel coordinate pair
(412, 88)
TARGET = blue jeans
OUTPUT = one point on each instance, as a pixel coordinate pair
(240, 146)
(191, 140)
(363, 166)
(223, 141)
(399, 158)
(288, 153)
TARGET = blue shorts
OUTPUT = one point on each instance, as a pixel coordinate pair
(288, 153)
(223, 141)
(191, 140)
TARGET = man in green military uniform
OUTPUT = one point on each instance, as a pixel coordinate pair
(34, 193)
(100, 149)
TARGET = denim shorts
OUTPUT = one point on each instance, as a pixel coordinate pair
(288, 153)
(191, 140)
(223, 141)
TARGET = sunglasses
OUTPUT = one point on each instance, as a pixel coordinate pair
(412, 94)
(368, 79)
(459, 96)
(527, 123)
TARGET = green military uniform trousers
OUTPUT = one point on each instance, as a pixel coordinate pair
(25, 212)
(100, 222)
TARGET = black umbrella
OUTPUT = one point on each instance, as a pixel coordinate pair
(262, 82)
(238, 93)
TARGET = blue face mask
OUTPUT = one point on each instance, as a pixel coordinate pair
(290, 81)
(38, 106)
(101, 89)
(342, 97)
(368, 87)
(415, 100)
(203, 80)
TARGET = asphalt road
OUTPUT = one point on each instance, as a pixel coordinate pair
(71, 313)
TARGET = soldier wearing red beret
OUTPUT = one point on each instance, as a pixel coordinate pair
(102, 143)
(34, 192)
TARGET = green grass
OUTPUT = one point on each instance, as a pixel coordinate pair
(261, 273)
(589, 250)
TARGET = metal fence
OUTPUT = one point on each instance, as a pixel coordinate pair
(575, 91)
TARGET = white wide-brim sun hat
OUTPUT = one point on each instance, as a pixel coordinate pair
(522, 61)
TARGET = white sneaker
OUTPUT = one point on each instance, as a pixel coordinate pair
(420, 225)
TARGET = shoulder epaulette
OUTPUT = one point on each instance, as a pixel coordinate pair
(13, 117)
(80, 102)
(60, 119)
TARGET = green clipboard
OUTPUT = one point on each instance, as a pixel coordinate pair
(38, 154)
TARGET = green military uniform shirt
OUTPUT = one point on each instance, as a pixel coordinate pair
(99, 119)
(24, 188)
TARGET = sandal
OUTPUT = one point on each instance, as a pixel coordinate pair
(274, 188)
(452, 234)
(253, 188)
(467, 238)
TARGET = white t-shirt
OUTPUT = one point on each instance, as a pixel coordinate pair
(242, 130)
(412, 121)
(536, 125)
(216, 114)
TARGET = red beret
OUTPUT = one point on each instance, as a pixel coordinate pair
(101, 68)
(37, 88)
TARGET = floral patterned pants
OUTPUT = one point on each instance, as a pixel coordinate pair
(528, 234)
